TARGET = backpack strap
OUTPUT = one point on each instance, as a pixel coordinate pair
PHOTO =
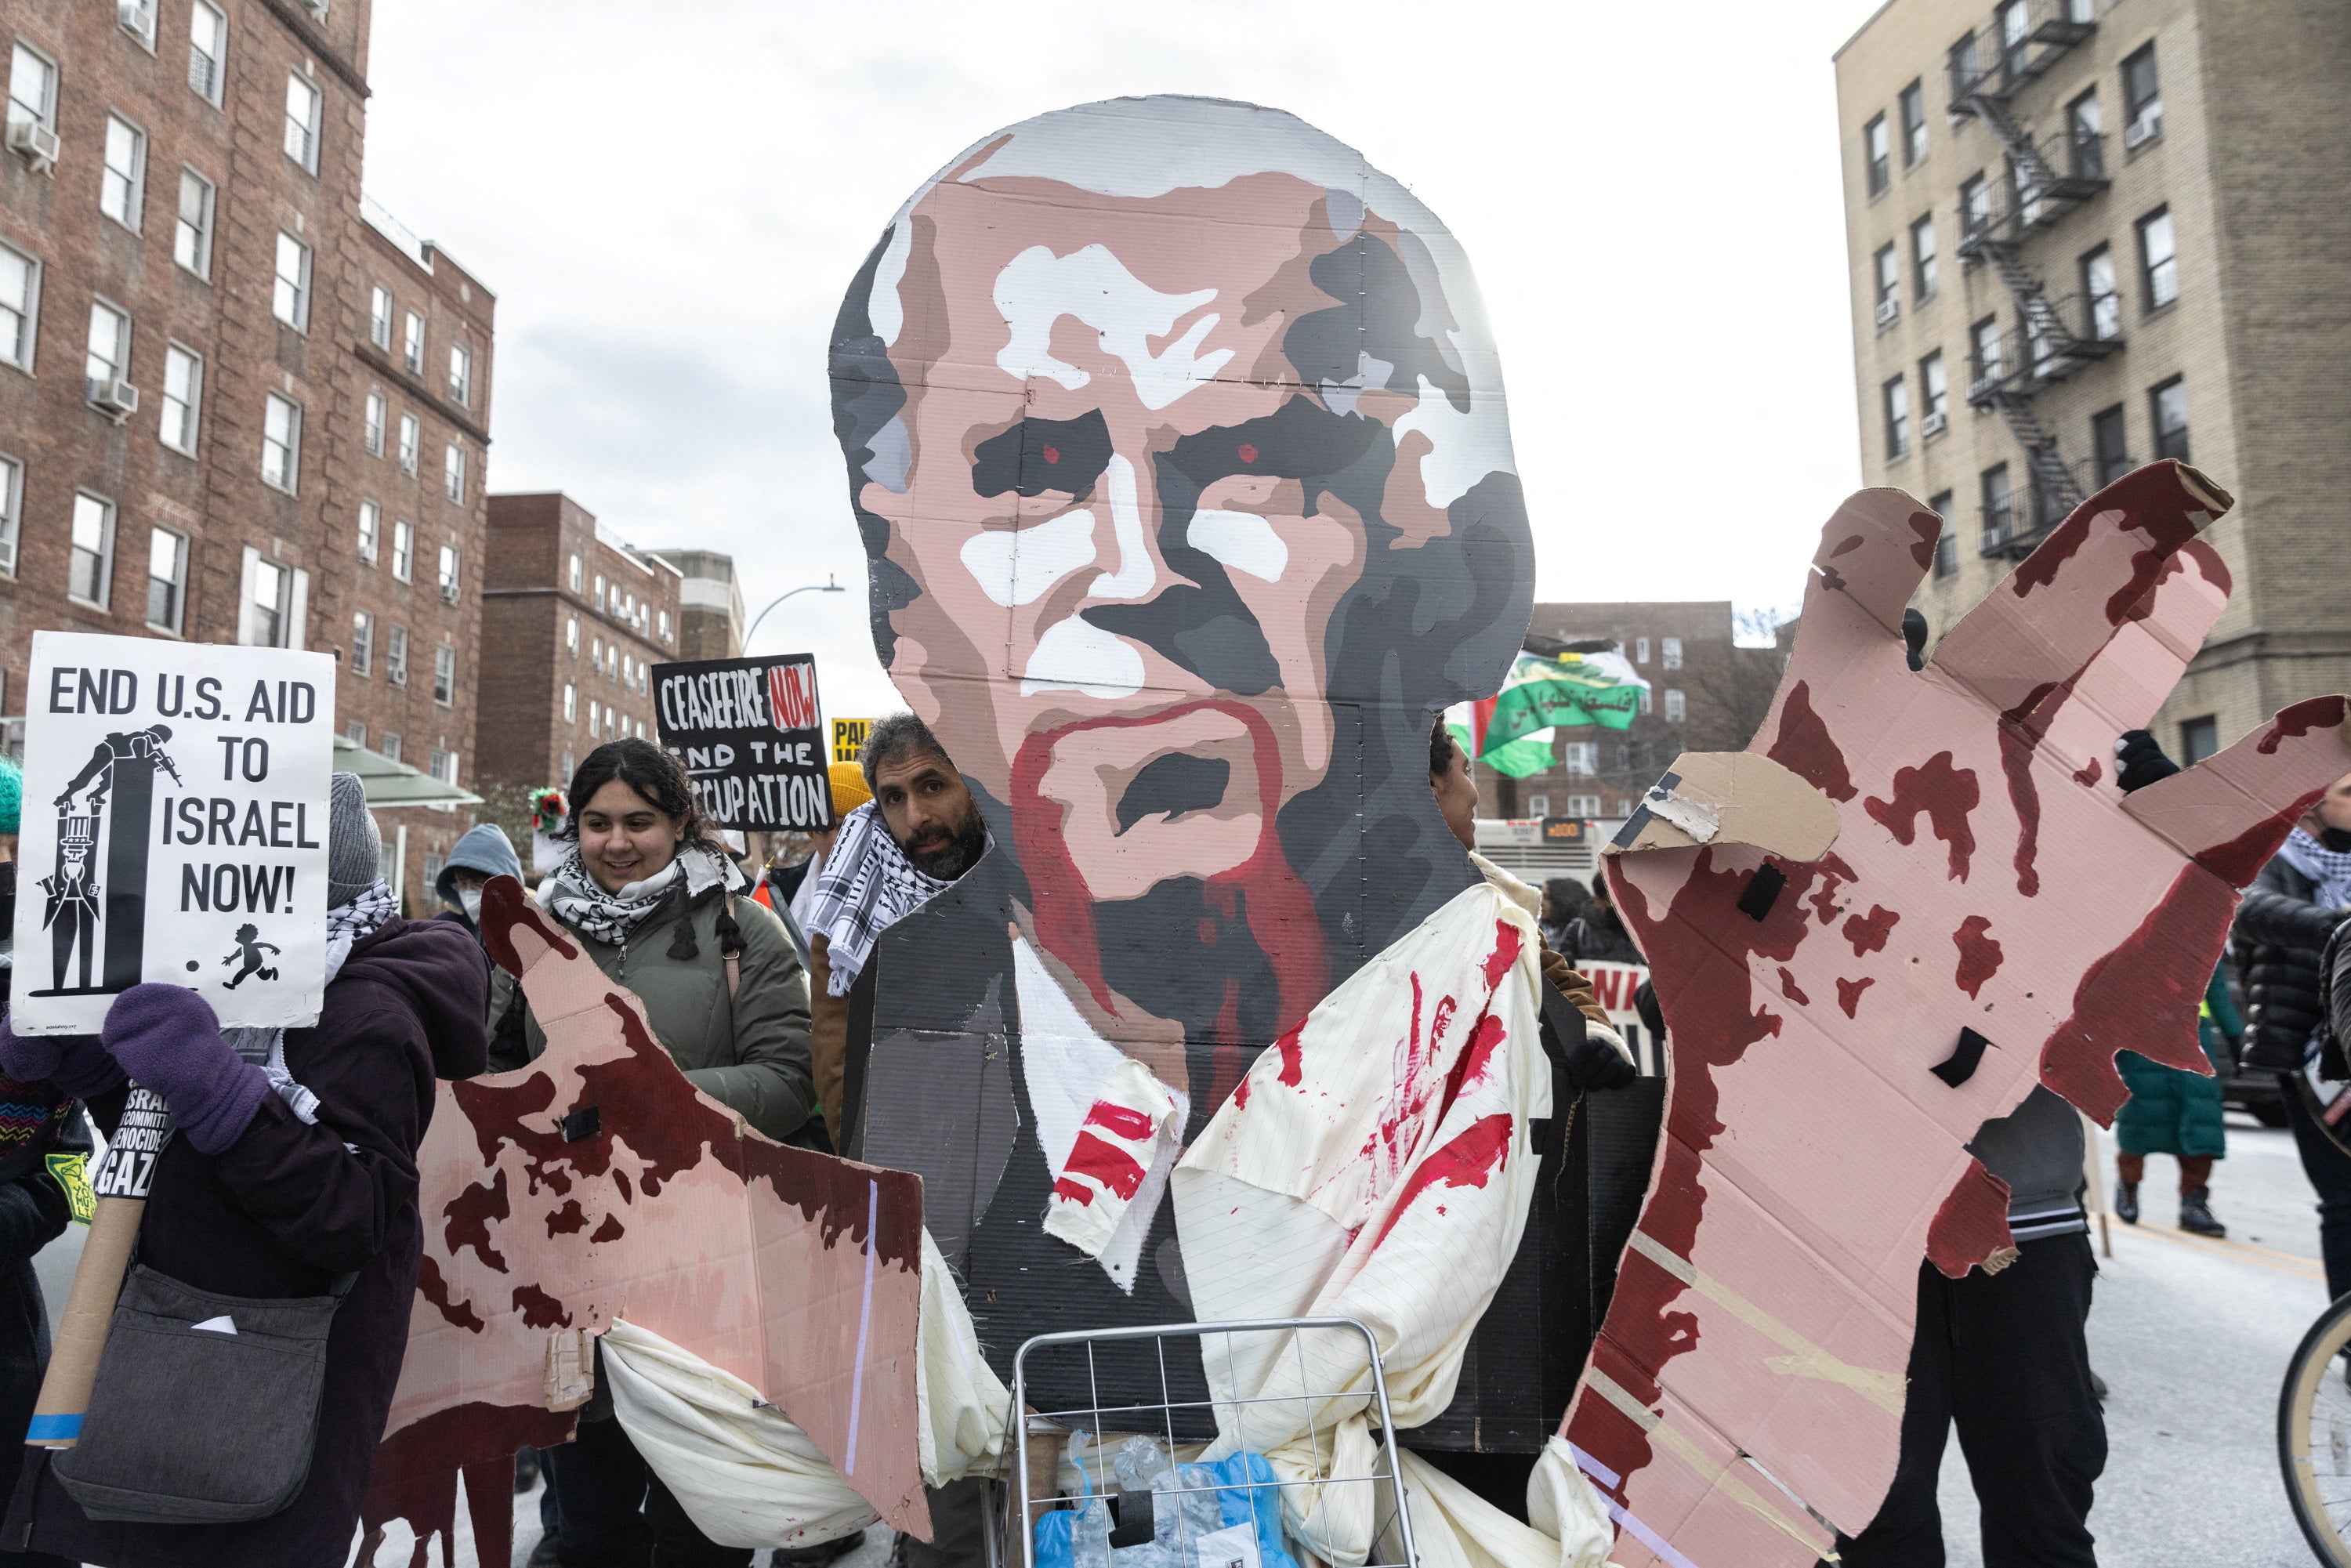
(730, 945)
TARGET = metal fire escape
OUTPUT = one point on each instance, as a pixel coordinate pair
(2046, 180)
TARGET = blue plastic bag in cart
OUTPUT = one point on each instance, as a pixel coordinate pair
(1236, 1525)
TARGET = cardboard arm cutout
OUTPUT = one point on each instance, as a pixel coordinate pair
(1987, 875)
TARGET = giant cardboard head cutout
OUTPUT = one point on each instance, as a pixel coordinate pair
(1178, 448)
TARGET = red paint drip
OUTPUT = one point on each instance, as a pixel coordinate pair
(1867, 932)
(1805, 747)
(1851, 543)
(1293, 1056)
(1788, 989)
(1486, 1035)
(566, 1219)
(610, 1231)
(2208, 559)
(435, 1290)
(1833, 872)
(2089, 775)
(1507, 945)
(469, 1215)
(1052, 455)
(1127, 1122)
(539, 1309)
(2240, 860)
(2152, 501)
(1248, 452)
(1473, 1154)
(2294, 722)
(1241, 1093)
(1107, 1163)
(1849, 993)
(1076, 1192)
(1971, 1224)
(1979, 955)
(1926, 528)
(2022, 728)
(2143, 996)
(1946, 794)
(415, 1472)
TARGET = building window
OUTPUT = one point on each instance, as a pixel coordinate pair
(1922, 256)
(575, 574)
(596, 655)
(90, 568)
(291, 300)
(122, 183)
(2142, 99)
(1874, 153)
(2107, 445)
(1640, 649)
(375, 420)
(445, 673)
(380, 319)
(207, 51)
(1975, 206)
(1947, 543)
(281, 444)
(1887, 268)
(20, 307)
(1934, 391)
(391, 746)
(32, 87)
(192, 239)
(2083, 127)
(1671, 648)
(445, 769)
(1998, 507)
(2199, 738)
(665, 626)
(371, 530)
(272, 608)
(1677, 706)
(452, 472)
(599, 593)
(1580, 755)
(303, 107)
(595, 719)
(184, 398)
(2158, 265)
(569, 765)
(395, 664)
(404, 550)
(12, 504)
(571, 707)
(2105, 299)
(356, 732)
(362, 647)
(412, 344)
(461, 375)
(1913, 124)
(1897, 394)
(448, 578)
(1584, 805)
(412, 437)
(167, 578)
(109, 343)
(137, 17)
(572, 635)
(2169, 404)
(1985, 338)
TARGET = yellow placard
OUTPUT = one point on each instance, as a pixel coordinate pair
(72, 1173)
(849, 738)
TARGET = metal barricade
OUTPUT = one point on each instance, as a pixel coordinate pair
(1243, 1501)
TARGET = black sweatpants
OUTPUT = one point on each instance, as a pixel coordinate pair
(2003, 1358)
(2329, 1170)
(615, 1512)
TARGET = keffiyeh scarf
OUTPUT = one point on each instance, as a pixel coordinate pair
(867, 886)
(347, 923)
(583, 903)
(2330, 869)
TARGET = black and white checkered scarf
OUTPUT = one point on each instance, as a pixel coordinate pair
(867, 885)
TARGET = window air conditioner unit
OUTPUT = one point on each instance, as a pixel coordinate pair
(1935, 423)
(133, 14)
(117, 399)
(1887, 309)
(35, 141)
(2144, 129)
(448, 593)
(318, 10)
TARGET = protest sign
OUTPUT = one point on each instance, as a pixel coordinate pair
(750, 736)
(174, 830)
(1612, 985)
(849, 738)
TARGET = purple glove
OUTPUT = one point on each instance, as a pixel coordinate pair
(168, 1039)
(76, 1064)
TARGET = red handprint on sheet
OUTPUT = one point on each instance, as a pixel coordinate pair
(1988, 877)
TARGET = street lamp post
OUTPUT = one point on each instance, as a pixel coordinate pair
(827, 586)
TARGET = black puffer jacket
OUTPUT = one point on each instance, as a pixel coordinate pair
(2278, 939)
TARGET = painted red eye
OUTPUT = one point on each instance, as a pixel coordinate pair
(1248, 452)
(1052, 455)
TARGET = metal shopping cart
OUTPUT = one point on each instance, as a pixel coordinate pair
(1119, 1482)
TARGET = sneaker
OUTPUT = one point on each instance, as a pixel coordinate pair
(2126, 1202)
(2196, 1213)
(547, 1553)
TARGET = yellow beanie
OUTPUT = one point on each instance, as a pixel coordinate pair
(848, 790)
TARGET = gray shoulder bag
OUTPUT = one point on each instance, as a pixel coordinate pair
(206, 1406)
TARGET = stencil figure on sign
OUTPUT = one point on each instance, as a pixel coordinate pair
(248, 948)
(72, 916)
(120, 775)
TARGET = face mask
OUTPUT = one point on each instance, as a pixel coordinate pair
(471, 897)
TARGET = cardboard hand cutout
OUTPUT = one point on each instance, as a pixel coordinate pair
(597, 1184)
(1994, 914)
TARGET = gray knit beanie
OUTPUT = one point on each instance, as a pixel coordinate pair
(354, 847)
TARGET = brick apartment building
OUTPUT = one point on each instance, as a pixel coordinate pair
(1706, 694)
(577, 616)
(233, 408)
(2087, 234)
(710, 604)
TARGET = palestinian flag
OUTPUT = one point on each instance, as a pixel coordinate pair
(1512, 731)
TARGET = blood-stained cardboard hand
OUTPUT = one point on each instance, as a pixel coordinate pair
(1993, 907)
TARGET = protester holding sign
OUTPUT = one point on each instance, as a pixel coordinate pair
(282, 1203)
(663, 910)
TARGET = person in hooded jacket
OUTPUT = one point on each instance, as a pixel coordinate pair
(660, 908)
(2281, 933)
(483, 852)
(1599, 936)
(282, 1174)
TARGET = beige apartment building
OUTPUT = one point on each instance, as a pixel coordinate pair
(2086, 235)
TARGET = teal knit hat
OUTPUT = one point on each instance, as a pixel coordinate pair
(12, 795)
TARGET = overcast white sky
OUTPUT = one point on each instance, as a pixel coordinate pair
(669, 201)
